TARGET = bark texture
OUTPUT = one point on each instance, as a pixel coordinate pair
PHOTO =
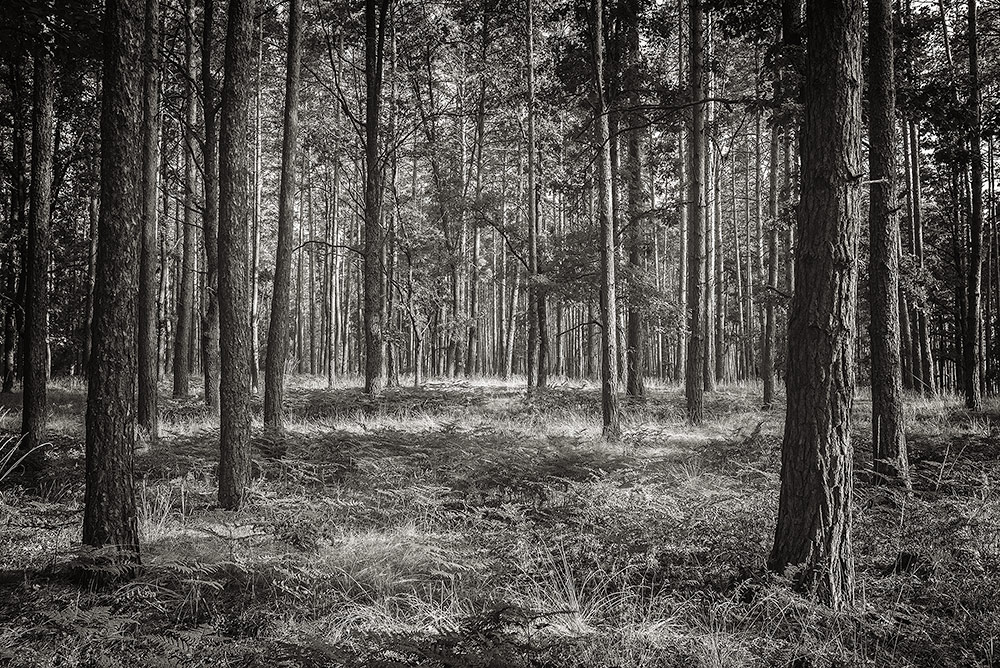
(277, 333)
(210, 217)
(109, 515)
(888, 439)
(697, 313)
(148, 361)
(185, 292)
(374, 234)
(972, 348)
(812, 538)
(36, 326)
(609, 299)
(638, 204)
(234, 288)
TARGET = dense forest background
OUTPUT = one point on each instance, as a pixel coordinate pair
(498, 332)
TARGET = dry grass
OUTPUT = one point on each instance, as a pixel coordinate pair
(463, 524)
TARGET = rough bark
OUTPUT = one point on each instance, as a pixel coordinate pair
(888, 438)
(609, 300)
(923, 331)
(148, 360)
(234, 225)
(18, 205)
(277, 333)
(812, 538)
(210, 217)
(770, 320)
(972, 350)
(638, 202)
(109, 515)
(694, 376)
(185, 292)
(374, 234)
(532, 207)
(36, 327)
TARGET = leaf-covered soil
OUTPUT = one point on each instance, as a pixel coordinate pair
(466, 524)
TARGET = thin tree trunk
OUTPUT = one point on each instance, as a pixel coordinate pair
(36, 330)
(210, 218)
(19, 200)
(185, 295)
(609, 301)
(277, 333)
(972, 349)
(770, 320)
(531, 205)
(148, 358)
(638, 202)
(694, 383)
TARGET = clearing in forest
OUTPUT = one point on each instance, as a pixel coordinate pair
(464, 524)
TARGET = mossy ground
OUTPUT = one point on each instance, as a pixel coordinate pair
(465, 524)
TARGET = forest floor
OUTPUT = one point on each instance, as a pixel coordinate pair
(464, 524)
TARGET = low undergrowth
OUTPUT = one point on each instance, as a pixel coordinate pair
(469, 525)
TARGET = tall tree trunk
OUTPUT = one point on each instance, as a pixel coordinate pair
(109, 514)
(711, 196)
(694, 376)
(255, 232)
(770, 320)
(814, 511)
(234, 223)
(391, 261)
(185, 294)
(374, 235)
(148, 351)
(532, 207)
(638, 202)
(717, 270)
(36, 330)
(19, 219)
(472, 355)
(210, 218)
(972, 349)
(277, 333)
(889, 440)
(609, 300)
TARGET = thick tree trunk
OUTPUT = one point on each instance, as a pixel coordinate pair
(234, 224)
(889, 440)
(694, 376)
(609, 300)
(277, 333)
(109, 515)
(36, 329)
(148, 360)
(814, 514)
